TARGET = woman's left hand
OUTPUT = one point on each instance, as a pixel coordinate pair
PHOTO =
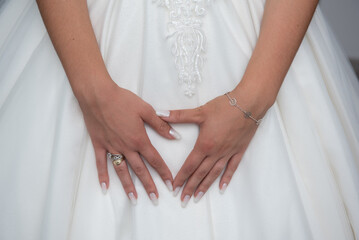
(223, 138)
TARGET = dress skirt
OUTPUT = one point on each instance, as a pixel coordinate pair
(298, 179)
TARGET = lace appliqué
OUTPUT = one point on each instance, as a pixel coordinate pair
(188, 48)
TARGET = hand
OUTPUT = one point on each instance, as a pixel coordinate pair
(223, 138)
(115, 122)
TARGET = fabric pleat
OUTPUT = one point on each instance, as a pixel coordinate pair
(298, 179)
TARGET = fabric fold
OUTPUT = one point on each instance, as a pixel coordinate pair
(298, 179)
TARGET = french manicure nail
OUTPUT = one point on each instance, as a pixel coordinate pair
(169, 185)
(175, 134)
(185, 201)
(198, 197)
(163, 113)
(224, 187)
(154, 198)
(175, 193)
(132, 198)
(104, 188)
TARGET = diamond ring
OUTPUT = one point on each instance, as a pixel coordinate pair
(115, 158)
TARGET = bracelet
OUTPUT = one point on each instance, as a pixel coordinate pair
(233, 102)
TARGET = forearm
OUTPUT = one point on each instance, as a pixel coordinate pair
(70, 30)
(283, 27)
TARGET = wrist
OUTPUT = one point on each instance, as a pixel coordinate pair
(93, 89)
(253, 99)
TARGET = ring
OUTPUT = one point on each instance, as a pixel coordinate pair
(115, 158)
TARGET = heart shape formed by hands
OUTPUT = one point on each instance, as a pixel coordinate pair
(223, 138)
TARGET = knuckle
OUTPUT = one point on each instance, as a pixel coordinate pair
(101, 171)
(103, 176)
(230, 170)
(217, 170)
(150, 189)
(146, 109)
(139, 141)
(189, 168)
(176, 115)
(121, 169)
(148, 185)
(136, 141)
(227, 177)
(163, 126)
(138, 169)
(207, 145)
(100, 161)
(188, 189)
(203, 187)
(200, 113)
(221, 165)
(127, 186)
(99, 157)
(201, 173)
(179, 181)
(155, 163)
(107, 141)
(235, 166)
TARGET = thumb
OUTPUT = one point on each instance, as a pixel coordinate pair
(194, 115)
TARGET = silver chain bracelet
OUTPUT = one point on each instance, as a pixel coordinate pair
(233, 102)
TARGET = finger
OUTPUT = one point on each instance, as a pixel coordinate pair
(155, 160)
(210, 178)
(143, 174)
(102, 171)
(126, 181)
(192, 162)
(194, 115)
(195, 179)
(230, 169)
(159, 125)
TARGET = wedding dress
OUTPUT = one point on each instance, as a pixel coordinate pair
(298, 179)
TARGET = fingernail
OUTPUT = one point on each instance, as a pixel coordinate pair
(175, 134)
(154, 198)
(169, 185)
(104, 188)
(185, 201)
(224, 187)
(198, 197)
(163, 113)
(175, 193)
(132, 198)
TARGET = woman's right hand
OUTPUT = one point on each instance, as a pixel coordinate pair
(115, 120)
(114, 116)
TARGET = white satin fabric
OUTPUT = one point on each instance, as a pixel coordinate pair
(299, 178)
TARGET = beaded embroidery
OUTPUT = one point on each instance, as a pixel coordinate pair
(188, 48)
